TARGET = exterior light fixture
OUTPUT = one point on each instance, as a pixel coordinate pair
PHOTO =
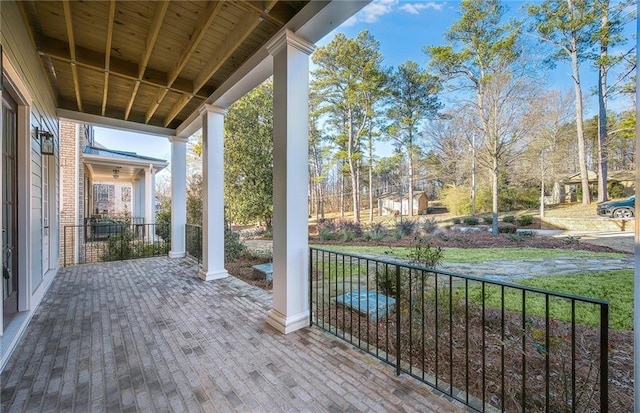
(116, 173)
(46, 142)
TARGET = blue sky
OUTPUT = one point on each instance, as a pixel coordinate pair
(402, 28)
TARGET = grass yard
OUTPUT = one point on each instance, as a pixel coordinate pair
(613, 286)
(472, 255)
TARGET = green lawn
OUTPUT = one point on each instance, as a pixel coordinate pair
(613, 286)
(471, 255)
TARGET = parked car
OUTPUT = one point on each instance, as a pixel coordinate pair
(624, 208)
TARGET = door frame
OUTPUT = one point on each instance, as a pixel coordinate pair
(14, 86)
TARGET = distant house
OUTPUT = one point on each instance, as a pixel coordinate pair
(98, 183)
(568, 186)
(394, 203)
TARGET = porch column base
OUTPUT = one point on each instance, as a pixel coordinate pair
(177, 254)
(286, 325)
(212, 275)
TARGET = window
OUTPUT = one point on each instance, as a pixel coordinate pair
(126, 194)
(102, 192)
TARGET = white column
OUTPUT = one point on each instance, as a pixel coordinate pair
(149, 195)
(178, 196)
(212, 193)
(290, 310)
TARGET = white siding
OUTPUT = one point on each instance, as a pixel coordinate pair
(20, 53)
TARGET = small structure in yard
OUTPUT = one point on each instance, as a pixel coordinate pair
(394, 203)
(263, 271)
(373, 305)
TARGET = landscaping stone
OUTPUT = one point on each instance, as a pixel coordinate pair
(263, 271)
(373, 305)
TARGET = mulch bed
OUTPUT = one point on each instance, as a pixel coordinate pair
(454, 239)
(462, 360)
(621, 342)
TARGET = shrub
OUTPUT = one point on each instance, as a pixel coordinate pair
(470, 221)
(506, 228)
(352, 227)
(232, 245)
(163, 222)
(456, 199)
(456, 221)
(525, 220)
(326, 234)
(377, 231)
(423, 254)
(327, 224)
(429, 225)
(347, 234)
(487, 219)
(119, 247)
(571, 240)
(405, 227)
(615, 189)
(510, 219)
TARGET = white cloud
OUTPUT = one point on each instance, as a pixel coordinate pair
(416, 8)
(372, 12)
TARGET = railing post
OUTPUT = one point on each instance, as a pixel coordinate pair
(65, 245)
(604, 357)
(398, 319)
(310, 287)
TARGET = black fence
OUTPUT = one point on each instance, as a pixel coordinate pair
(194, 241)
(487, 344)
(114, 241)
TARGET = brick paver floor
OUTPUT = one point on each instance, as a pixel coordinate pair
(147, 335)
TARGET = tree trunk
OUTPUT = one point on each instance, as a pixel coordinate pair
(370, 177)
(410, 200)
(602, 106)
(341, 195)
(582, 152)
(473, 175)
(542, 185)
(355, 190)
(352, 167)
(494, 195)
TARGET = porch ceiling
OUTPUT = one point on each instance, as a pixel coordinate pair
(147, 62)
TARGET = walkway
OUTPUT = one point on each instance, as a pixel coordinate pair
(147, 335)
(511, 271)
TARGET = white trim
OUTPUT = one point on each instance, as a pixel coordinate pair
(22, 321)
(21, 95)
(76, 191)
(286, 325)
(212, 275)
(96, 120)
(288, 38)
(25, 217)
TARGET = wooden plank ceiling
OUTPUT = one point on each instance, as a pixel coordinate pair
(144, 61)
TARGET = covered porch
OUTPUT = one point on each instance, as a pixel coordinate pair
(147, 335)
(167, 69)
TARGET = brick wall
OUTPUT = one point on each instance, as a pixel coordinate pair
(72, 174)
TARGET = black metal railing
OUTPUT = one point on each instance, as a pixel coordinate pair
(487, 344)
(193, 235)
(114, 241)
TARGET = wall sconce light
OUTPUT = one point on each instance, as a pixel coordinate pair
(116, 172)
(46, 142)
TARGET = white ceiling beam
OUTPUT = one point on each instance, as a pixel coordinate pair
(120, 124)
